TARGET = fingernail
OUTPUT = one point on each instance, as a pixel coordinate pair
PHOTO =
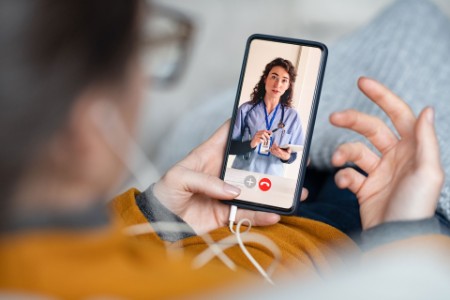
(430, 115)
(367, 82)
(337, 153)
(274, 218)
(341, 181)
(336, 156)
(231, 189)
(335, 115)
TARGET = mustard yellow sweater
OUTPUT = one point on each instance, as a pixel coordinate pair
(77, 264)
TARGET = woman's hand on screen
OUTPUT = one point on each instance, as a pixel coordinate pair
(404, 182)
(262, 136)
(283, 154)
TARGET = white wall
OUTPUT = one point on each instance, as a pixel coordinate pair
(305, 88)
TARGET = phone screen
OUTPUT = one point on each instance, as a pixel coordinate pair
(273, 120)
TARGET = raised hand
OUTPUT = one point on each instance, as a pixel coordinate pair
(404, 182)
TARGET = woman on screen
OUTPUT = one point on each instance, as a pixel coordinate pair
(267, 124)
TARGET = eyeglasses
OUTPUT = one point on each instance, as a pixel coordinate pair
(166, 44)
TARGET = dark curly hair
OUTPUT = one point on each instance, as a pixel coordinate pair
(259, 91)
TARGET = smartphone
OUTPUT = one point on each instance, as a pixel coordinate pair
(272, 122)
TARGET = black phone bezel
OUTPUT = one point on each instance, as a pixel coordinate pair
(301, 176)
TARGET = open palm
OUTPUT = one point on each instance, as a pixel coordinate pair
(403, 183)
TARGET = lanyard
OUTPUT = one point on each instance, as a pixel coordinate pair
(269, 124)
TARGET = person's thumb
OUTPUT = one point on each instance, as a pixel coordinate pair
(209, 185)
(427, 142)
(257, 218)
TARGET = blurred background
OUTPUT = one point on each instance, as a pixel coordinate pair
(210, 80)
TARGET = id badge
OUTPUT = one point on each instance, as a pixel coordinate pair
(264, 148)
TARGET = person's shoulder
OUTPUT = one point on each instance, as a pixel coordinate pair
(246, 106)
(291, 111)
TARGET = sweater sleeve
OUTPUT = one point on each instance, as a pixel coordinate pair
(291, 159)
(155, 212)
(240, 148)
(399, 230)
(136, 208)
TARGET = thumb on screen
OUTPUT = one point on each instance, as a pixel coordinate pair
(209, 185)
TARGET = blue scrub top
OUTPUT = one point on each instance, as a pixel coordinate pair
(292, 133)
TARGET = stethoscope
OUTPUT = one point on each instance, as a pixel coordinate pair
(245, 128)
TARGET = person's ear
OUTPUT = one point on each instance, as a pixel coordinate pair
(108, 123)
(80, 146)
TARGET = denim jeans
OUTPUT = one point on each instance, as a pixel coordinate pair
(329, 204)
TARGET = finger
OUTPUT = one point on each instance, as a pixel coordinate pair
(357, 153)
(278, 155)
(258, 218)
(285, 151)
(375, 130)
(428, 145)
(304, 194)
(201, 183)
(259, 138)
(398, 111)
(260, 135)
(349, 178)
(266, 135)
(276, 152)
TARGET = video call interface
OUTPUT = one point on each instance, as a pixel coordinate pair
(270, 128)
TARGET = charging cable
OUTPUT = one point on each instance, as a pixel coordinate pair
(232, 218)
(238, 234)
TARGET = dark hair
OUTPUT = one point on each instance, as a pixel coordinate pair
(259, 91)
(50, 50)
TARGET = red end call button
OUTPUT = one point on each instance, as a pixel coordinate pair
(265, 184)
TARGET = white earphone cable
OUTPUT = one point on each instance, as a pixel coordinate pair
(238, 234)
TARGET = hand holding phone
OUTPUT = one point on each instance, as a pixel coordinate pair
(272, 122)
(190, 189)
